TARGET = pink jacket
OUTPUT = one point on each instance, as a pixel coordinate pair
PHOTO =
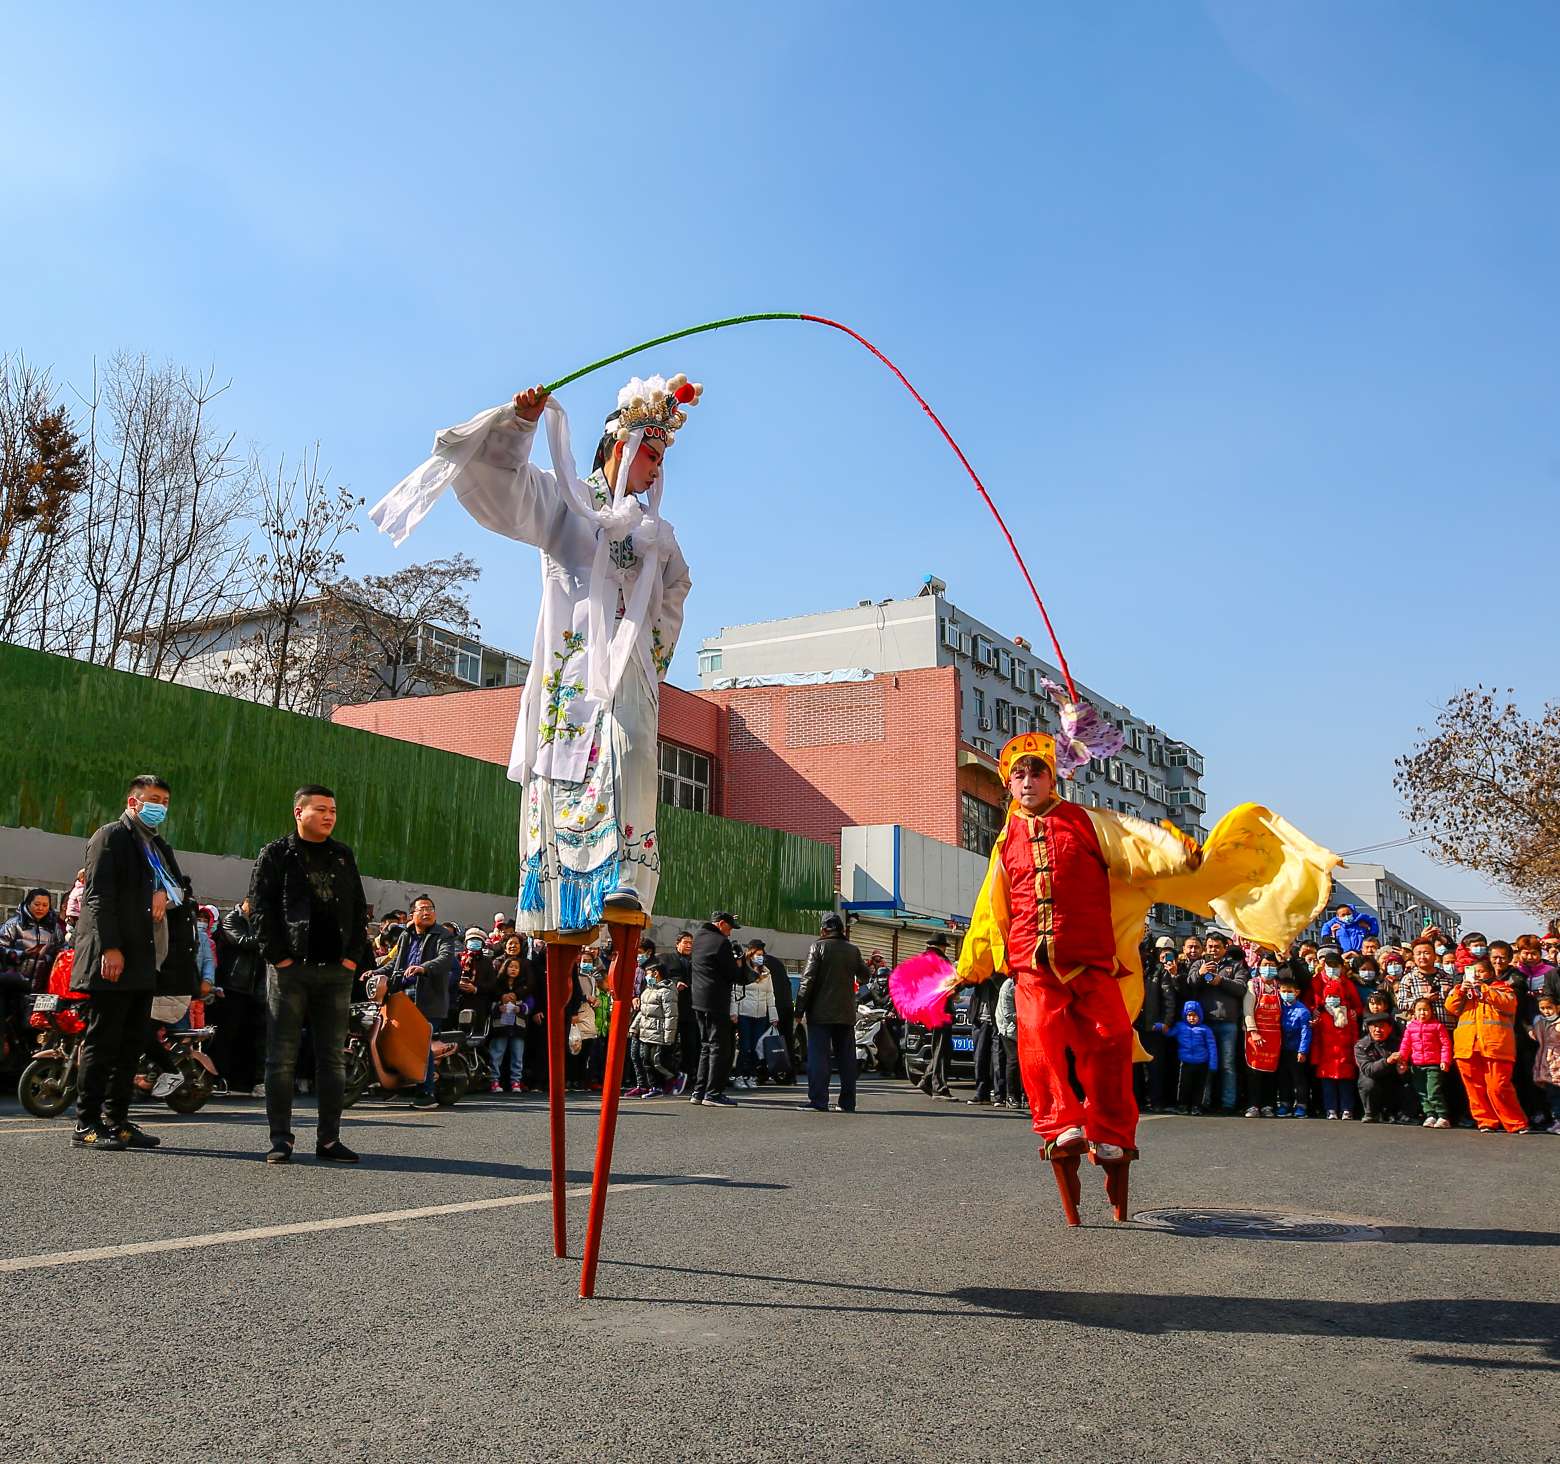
(1426, 1044)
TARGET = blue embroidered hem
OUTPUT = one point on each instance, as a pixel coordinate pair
(580, 895)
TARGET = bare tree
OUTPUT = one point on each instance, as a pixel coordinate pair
(162, 510)
(1484, 789)
(385, 623)
(283, 655)
(42, 471)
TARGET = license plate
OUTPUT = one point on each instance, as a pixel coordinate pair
(964, 1044)
(46, 1003)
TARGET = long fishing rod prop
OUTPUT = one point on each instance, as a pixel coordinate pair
(692, 330)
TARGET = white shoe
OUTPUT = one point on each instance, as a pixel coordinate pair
(1253, 1113)
(258, 1091)
(1109, 1153)
(167, 1084)
(1428, 1123)
(1443, 1123)
(1554, 1128)
(1072, 1138)
(1267, 1113)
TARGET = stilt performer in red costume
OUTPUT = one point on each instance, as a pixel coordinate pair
(1062, 910)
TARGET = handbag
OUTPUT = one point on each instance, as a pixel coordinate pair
(404, 1039)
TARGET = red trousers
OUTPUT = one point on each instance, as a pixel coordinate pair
(1492, 1100)
(1087, 1015)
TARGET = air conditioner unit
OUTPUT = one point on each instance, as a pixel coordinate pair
(984, 724)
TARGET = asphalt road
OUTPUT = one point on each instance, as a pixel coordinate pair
(893, 1285)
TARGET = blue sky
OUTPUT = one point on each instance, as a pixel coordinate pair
(1245, 312)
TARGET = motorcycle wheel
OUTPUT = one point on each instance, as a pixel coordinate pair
(43, 1090)
(192, 1097)
(357, 1077)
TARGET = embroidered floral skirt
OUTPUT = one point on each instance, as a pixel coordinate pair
(580, 842)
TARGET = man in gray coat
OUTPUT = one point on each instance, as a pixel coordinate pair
(827, 1004)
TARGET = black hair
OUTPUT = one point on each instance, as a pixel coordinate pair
(312, 790)
(683, 935)
(148, 780)
(605, 446)
(647, 945)
(416, 899)
(758, 945)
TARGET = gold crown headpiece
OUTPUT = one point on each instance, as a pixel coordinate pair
(655, 407)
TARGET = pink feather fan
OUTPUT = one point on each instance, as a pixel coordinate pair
(920, 988)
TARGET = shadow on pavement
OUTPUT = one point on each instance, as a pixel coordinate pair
(1466, 1320)
(467, 1168)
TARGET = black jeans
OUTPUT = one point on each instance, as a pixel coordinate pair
(838, 1039)
(322, 995)
(1293, 1079)
(986, 1045)
(1194, 1076)
(717, 1039)
(110, 1054)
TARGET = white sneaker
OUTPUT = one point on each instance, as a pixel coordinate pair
(1253, 1113)
(168, 1083)
(1266, 1113)
(1428, 1123)
(1072, 1138)
(1109, 1153)
(1443, 1123)
(1554, 1128)
(258, 1091)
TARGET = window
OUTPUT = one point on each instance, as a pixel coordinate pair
(454, 654)
(981, 744)
(685, 778)
(950, 634)
(980, 825)
(709, 662)
(1115, 770)
(1004, 662)
(1020, 675)
(980, 704)
(983, 651)
(966, 643)
(1004, 715)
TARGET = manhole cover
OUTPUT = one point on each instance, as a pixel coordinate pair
(1256, 1225)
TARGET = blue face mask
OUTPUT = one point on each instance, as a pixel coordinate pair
(473, 945)
(587, 967)
(1289, 998)
(1269, 971)
(152, 814)
(1479, 950)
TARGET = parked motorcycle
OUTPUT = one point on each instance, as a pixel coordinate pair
(457, 1064)
(877, 1049)
(48, 1083)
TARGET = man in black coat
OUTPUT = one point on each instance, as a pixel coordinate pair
(1161, 1010)
(677, 968)
(309, 911)
(826, 1002)
(715, 971)
(423, 962)
(934, 1081)
(238, 1049)
(135, 940)
(990, 1081)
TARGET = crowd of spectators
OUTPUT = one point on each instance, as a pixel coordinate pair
(1443, 1032)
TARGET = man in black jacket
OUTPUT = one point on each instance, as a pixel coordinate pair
(1161, 1010)
(135, 939)
(677, 968)
(990, 1081)
(826, 1002)
(238, 1049)
(311, 917)
(423, 962)
(715, 971)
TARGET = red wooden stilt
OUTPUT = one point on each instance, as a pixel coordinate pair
(1065, 1168)
(561, 959)
(1117, 1173)
(625, 945)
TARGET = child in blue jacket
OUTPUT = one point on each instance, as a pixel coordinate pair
(1198, 1050)
(1294, 1050)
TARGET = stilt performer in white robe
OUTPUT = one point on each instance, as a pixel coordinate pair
(613, 585)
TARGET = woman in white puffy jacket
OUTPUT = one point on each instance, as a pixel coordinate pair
(653, 1035)
(755, 1011)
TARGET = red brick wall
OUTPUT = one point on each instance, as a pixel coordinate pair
(811, 759)
(482, 723)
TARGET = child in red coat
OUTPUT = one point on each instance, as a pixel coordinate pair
(1334, 1032)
